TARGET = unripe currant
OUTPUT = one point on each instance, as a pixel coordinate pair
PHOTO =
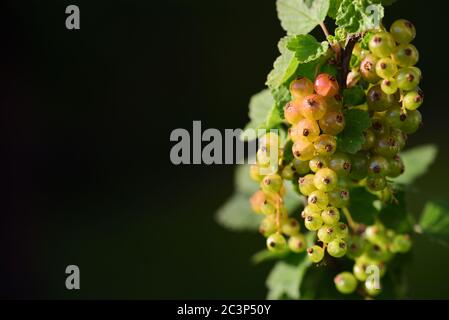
(325, 180)
(297, 243)
(303, 149)
(325, 144)
(382, 44)
(403, 31)
(408, 78)
(368, 69)
(406, 55)
(271, 183)
(290, 227)
(345, 283)
(305, 128)
(315, 254)
(337, 248)
(386, 68)
(318, 199)
(306, 184)
(340, 163)
(292, 112)
(378, 100)
(339, 197)
(313, 222)
(332, 123)
(276, 243)
(317, 163)
(330, 216)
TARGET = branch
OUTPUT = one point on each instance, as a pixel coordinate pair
(346, 58)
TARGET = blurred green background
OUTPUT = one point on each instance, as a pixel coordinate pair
(87, 120)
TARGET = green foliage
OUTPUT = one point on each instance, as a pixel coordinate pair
(394, 215)
(301, 16)
(356, 16)
(354, 96)
(236, 213)
(434, 221)
(284, 67)
(417, 161)
(352, 139)
(307, 48)
(286, 277)
(263, 113)
(333, 8)
(362, 206)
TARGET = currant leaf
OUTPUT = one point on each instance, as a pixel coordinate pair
(434, 221)
(307, 48)
(352, 139)
(284, 67)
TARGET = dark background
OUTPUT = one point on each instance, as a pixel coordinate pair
(86, 120)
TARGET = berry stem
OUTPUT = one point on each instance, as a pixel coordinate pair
(278, 213)
(334, 45)
(348, 216)
(346, 59)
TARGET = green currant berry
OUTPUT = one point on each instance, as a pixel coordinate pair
(382, 44)
(292, 112)
(396, 167)
(378, 100)
(389, 86)
(345, 283)
(342, 230)
(288, 173)
(339, 197)
(359, 166)
(318, 199)
(315, 254)
(268, 208)
(401, 243)
(326, 85)
(408, 79)
(310, 211)
(375, 233)
(297, 243)
(325, 179)
(306, 184)
(413, 100)
(401, 137)
(379, 125)
(359, 272)
(386, 146)
(290, 227)
(337, 248)
(395, 117)
(268, 226)
(330, 216)
(370, 139)
(340, 163)
(412, 122)
(254, 172)
(270, 140)
(332, 123)
(378, 166)
(376, 253)
(313, 107)
(406, 55)
(326, 234)
(368, 69)
(301, 167)
(313, 222)
(403, 31)
(276, 243)
(376, 183)
(318, 163)
(271, 183)
(386, 68)
(325, 144)
(303, 149)
(356, 247)
(301, 87)
(372, 288)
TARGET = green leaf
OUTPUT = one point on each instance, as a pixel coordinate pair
(307, 48)
(236, 214)
(266, 255)
(434, 221)
(263, 113)
(285, 278)
(284, 67)
(417, 161)
(333, 8)
(312, 68)
(362, 207)
(352, 139)
(395, 215)
(356, 16)
(354, 96)
(301, 16)
(281, 96)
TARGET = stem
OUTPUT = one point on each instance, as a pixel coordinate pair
(334, 45)
(346, 59)
(348, 216)
(278, 213)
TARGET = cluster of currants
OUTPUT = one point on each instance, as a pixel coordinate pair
(385, 68)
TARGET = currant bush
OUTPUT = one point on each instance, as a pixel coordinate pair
(325, 174)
